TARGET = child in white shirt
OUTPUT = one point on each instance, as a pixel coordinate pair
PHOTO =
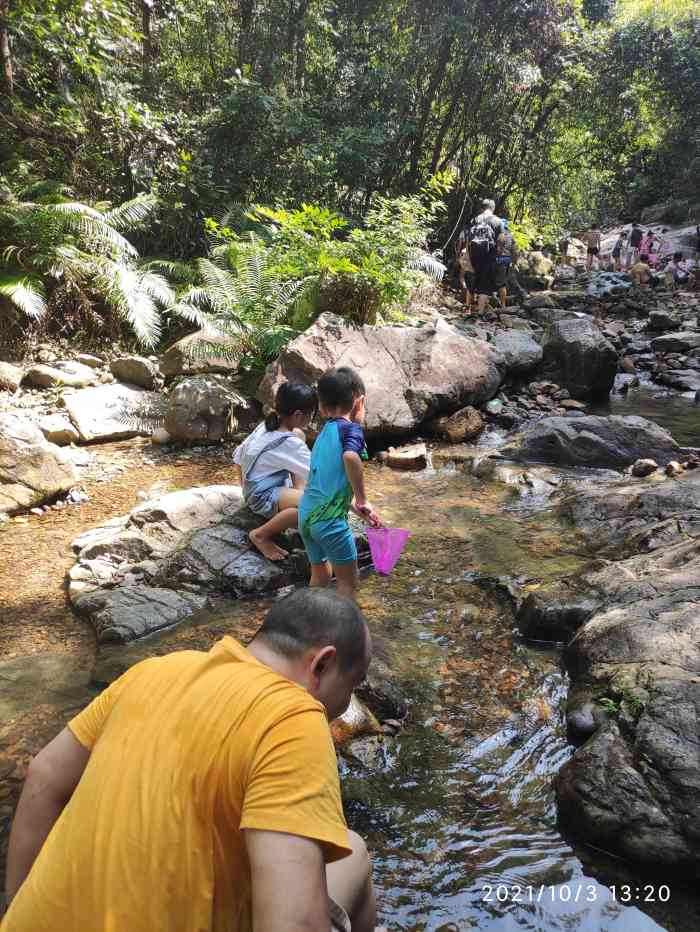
(274, 462)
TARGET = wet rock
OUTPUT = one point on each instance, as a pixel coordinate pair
(582, 720)
(578, 357)
(380, 692)
(70, 375)
(185, 356)
(627, 365)
(113, 412)
(201, 408)
(681, 342)
(58, 429)
(135, 370)
(614, 442)
(642, 468)
(414, 457)
(673, 468)
(32, 470)
(661, 321)
(411, 373)
(10, 376)
(554, 617)
(465, 424)
(521, 353)
(685, 380)
(356, 721)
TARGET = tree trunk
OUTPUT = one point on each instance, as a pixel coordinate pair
(146, 15)
(5, 51)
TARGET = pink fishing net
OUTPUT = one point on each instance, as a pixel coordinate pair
(385, 545)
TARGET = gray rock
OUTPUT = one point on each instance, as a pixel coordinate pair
(201, 408)
(184, 357)
(124, 614)
(641, 468)
(578, 357)
(381, 693)
(521, 353)
(10, 376)
(70, 375)
(32, 470)
(610, 442)
(113, 412)
(135, 370)
(685, 380)
(681, 342)
(411, 373)
(58, 429)
(661, 321)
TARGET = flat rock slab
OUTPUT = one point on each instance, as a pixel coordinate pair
(685, 380)
(68, 374)
(58, 429)
(410, 373)
(613, 442)
(32, 470)
(113, 412)
(156, 566)
(682, 342)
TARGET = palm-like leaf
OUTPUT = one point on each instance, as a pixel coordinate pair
(424, 262)
(26, 293)
(131, 214)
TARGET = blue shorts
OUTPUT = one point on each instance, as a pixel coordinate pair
(262, 495)
(330, 540)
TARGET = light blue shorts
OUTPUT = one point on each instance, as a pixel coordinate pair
(330, 540)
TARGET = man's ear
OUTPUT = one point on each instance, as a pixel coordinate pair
(324, 659)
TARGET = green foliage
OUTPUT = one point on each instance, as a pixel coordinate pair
(53, 249)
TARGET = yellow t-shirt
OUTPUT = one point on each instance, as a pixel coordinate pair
(186, 750)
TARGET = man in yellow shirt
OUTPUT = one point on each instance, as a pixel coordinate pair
(200, 792)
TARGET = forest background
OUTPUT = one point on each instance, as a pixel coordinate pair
(246, 164)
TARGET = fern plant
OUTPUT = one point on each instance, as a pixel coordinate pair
(242, 298)
(52, 246)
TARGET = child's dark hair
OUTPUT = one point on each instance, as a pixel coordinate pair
(677, 256)
(291, 397)
(338, 388)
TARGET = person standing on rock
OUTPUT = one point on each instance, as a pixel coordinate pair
(483, 237)
(200, 792)
(634, 243)
(592, 246)
(336, 484)
(506, 257)
(274, 462)
(617, 251)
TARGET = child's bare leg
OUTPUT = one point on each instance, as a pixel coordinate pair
(320, 575)
(286, 517)
(347, 579)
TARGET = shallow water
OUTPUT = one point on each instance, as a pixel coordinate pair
(677, 413)
(458, 809)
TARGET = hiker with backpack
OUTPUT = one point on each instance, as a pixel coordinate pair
(483, 235)
(634, 243)
(506, 255)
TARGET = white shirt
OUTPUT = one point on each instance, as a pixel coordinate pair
(292, 455)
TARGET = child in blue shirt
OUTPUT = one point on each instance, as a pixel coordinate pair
(335, 479)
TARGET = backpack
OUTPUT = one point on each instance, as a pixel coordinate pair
(482, 236)
(635, 238)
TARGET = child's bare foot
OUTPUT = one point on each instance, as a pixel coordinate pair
(267, 547)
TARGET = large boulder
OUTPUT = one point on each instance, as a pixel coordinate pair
(113, 412)
(521, 353)
(411, 373)
(31, 469)
(607, 442)
(185, 357)
(201, 408)
(579, 358)
(633, 786)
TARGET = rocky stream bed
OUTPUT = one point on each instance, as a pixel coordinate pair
(531, 723)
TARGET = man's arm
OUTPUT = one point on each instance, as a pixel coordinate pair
(51, 779)
(289, 882)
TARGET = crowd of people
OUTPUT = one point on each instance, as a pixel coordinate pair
(486, 259)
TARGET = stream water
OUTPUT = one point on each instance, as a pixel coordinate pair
(458, 809)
